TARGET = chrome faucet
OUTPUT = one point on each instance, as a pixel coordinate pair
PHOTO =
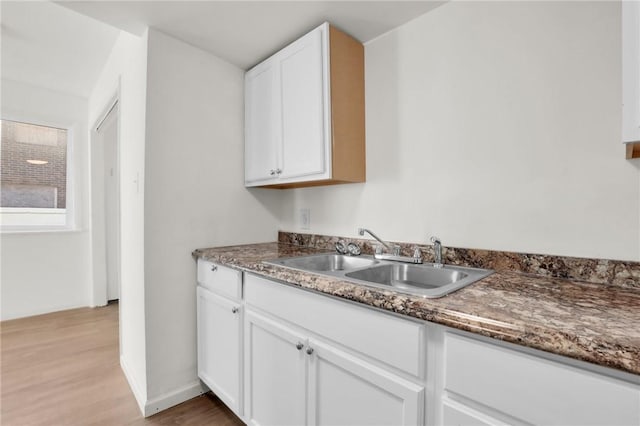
(416, 258)
(396, 248)
(437, 252)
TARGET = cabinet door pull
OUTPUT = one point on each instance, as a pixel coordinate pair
(278, 171)
(299, 346)
(214, 268)
(272, 172)
(309, 351)
(234, 310)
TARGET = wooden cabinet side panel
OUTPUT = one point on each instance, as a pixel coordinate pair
(347, 107)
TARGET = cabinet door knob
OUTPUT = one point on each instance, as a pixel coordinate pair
(272, 172)
(309, 351)
(278, 171)
(299, 346)
(234, 310)
(214, 268)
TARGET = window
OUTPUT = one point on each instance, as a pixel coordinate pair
(33, 190)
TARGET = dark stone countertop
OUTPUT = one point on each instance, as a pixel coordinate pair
(596, 323)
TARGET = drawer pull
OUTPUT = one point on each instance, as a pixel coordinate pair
(234, 310)
(214, 268)
(299, 346)
(309, 351)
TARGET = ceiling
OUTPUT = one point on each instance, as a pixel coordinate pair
(64, 45)
(245, 32)
(46, 45)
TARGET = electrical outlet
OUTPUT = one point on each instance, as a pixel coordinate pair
(305, 218)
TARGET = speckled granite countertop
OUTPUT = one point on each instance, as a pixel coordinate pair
(591, 322)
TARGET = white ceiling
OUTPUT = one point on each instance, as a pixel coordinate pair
(64, 45)
(245, 32)
(50, 46)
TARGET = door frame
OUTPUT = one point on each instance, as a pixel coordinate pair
(97, 193)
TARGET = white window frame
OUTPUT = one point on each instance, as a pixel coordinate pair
(24, 220)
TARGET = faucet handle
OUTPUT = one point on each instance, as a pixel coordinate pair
(341, 247)
(354, 249)
(435, 240)
(396, 250)
(417, 253)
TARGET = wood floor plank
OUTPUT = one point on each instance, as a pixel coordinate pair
(63, 369)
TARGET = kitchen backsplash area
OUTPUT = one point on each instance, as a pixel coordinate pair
(597, 271)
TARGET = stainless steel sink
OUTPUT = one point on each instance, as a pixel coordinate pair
(424, 280)
(325, 262)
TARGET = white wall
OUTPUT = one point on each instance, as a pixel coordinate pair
(194, 197)
(126, 69)
(493, 125)
(48, 271)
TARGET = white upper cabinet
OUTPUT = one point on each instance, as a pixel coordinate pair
(631, 71)
(261, 111)
(304, 113)
(305, 144)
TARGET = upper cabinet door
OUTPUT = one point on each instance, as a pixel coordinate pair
(303, 78)
(305, 113)
(262, 132)
(631, 71)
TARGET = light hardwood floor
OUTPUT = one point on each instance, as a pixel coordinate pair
(63, 369)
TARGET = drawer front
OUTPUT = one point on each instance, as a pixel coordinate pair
(536, 390)
(397, 342)
(220, 279)
(454, 414)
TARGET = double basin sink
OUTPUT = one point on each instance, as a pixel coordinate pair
(417, 279)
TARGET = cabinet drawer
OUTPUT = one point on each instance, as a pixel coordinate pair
(220, 279)
(536, 390)
(454, 414)
(395, 341)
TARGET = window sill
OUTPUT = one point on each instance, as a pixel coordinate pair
(39, 230)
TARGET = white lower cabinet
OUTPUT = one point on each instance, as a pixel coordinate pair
(275, 373)
(525, 389)
(294, 379)
(345, 390)
(455, 414)
(220, 346)
(278, 355)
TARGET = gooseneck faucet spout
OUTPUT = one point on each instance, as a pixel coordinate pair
(361, 232)
(416, 258)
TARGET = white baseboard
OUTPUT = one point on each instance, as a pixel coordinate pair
(162, 402)
(172, 398)
(4, 316)
(141, 398)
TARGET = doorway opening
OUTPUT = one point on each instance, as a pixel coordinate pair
(105, 204)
